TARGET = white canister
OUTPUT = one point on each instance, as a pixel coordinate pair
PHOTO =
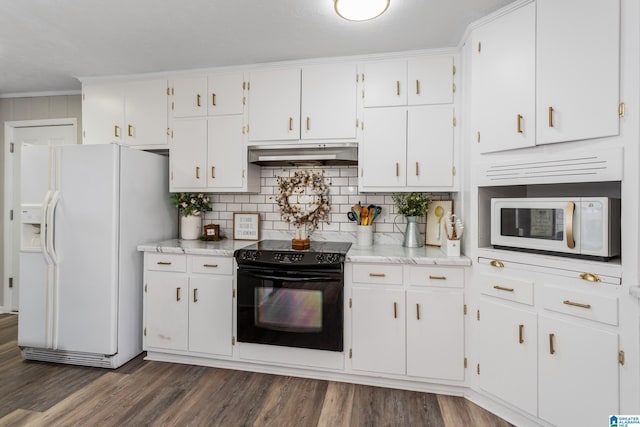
(190, 227)
(364, 235)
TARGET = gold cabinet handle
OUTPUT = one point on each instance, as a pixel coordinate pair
(163, 263)
(398, 87)
(213, 99)
(395, 310)
(569, 227)
(195, 295)
(500, 288)
(590, 277)
(551, 349)
(496, 263)
(376, 274)
(417, 169)
(520, 334)
(437, 277)
(116, 131)
(417, 311)
(129, 130)
(550, 117)
(198, 100)
(197, 172)
(576, 304)
(290, 123)
(178, 294)
(308, 123)
(213, 171)
(417, 87)
(397, 169)
(210, 265)
(519, 123)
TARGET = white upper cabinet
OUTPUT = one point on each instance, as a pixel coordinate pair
(328, 101)
(430, 80)
(503, 81)
(189, 97)
(226, 163)
(385, 84)
(188, 154)
(133, 112)
(430, 152)
(384, 148)
(419, 81)
(578, 69)
(225, 93)
(216, 94)
(274, 105)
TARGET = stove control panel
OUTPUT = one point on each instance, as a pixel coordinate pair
(287, 257)
(328, 258)
(250, 255)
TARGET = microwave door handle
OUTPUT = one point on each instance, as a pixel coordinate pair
(571, 243)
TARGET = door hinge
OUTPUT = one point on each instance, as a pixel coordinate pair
(621, 357)
(244, 85)
(350, 303)
(357, 123)
(454, 70)
(244, 100)
(362, 93)
(168, 91)
(83, 96)
(11, 286)
(465, 363)
(247, 128)
(145, 288)
(478, 314)
(478, 368)
(455, 122)
(168, 131)
(11, 215)
(357, 78)
(479, 47)
(233, 294)
(362, 125)
(350, 353)
(145, 332)
(244, 173)
(453, 171)
(454, 88)
(621, 109)
(478, 137)
(233, 340)
(464, 309)
(11, 147)
(172, 106)
(248, 85)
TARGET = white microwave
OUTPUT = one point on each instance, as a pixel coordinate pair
(582, 226)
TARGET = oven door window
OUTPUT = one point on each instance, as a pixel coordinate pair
(532, 223)
(289, 310)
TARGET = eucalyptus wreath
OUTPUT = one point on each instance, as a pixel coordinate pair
(300, 182)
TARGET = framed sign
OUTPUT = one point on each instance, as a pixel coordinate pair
(246, 226)
(438, 209)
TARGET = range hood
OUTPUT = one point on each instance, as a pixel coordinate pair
(303, 154)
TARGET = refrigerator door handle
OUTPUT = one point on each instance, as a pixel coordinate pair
(51, 224)
(43, 228)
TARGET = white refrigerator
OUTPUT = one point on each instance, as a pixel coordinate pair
(85, 209)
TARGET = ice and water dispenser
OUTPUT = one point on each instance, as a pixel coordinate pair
(30, 222)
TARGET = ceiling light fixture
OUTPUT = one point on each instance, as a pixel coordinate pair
(360, 10)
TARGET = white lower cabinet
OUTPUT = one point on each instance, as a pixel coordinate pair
(188, 309)
(578, 373)
(412, 326)
(508, 354)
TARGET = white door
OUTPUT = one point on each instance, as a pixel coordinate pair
(226, 93)
(102, 113)
(167, 314)
(430, 80)
(145, 110)
(225, 152)
(210, 315)
(328, 101)
(385, 84)
(85, 248)
(20, 134)
(384, 148)
(188, 154)
(189, 97)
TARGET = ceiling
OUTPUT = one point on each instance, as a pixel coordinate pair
(45, 44)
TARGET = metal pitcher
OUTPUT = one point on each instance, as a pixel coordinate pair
(412, 236)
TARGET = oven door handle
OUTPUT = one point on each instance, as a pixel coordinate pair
(291, 279)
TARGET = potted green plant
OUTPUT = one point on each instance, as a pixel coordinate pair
(191, 207)
(412, 206)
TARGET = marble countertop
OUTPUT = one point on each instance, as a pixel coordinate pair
(379, 253)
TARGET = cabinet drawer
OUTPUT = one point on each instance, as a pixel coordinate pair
(508, 288)
(210, 264)
(435, 276)
(166, 262)
(591, 306)
(375, 273)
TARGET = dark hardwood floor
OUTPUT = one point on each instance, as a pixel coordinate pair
(167, 394)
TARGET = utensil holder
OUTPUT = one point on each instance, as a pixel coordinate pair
(364, 235)
(450, 247)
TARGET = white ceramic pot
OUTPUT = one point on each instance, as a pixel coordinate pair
(190, 227)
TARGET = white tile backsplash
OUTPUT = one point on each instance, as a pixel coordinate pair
(343, 194)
